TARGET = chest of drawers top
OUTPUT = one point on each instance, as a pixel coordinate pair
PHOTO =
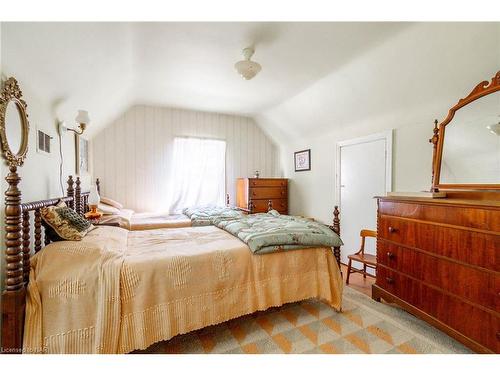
(472, 214)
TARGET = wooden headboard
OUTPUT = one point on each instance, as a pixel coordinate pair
(19, 248)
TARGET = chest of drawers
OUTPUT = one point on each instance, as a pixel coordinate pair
(260, 191)
(439, 260)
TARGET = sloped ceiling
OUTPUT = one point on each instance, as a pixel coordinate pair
(426, 65)
(106, 67)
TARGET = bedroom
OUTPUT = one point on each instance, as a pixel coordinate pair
(217, 177)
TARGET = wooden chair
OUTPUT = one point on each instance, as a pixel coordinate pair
(368, 260)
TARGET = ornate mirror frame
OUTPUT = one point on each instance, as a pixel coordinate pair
(482, 89)
(12, 93)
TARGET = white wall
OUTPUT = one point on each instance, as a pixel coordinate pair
(40, 173)
(132, 155)
(403, 84)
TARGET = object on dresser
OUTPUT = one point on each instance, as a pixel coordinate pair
(257, 194)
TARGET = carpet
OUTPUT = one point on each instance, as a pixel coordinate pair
(363, 326)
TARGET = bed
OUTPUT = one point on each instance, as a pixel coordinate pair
(131, 220)
(119, 290)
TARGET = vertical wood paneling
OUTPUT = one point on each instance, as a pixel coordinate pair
(132, 155)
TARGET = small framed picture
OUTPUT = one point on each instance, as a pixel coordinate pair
(302, 160)
(82, 154)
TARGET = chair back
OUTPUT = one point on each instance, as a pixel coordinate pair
(366, 233)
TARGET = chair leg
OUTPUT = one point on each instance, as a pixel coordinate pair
(364, 271)
(348, 272)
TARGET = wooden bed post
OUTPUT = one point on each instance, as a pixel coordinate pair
(14, 294)
(71, 192)
(269, 205)
(336, 229)
(98, 185)
(250, 206)
(227, 199)
(78, 197)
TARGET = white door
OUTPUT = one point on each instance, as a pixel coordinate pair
(365, 171)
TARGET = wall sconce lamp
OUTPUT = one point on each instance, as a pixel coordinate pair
(82, 119)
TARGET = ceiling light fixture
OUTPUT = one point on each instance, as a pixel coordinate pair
(247, 68)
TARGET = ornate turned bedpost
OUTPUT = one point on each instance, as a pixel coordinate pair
(269, 205)
(98, 185)
(26, 246)
(71, 192)
(78, 196)
(227, 200)
(13, 297)
(434, 140)
(336, 229)
(250, 206)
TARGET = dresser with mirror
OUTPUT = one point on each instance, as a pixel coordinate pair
(438, 254)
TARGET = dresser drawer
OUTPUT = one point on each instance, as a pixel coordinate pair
(476, 248)
(261, 205)
(472, 284)
(276, 182)
(473, 322)
(469, 217)
(268, 192)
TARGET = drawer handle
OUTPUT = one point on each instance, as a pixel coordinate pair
(390, 255)
(389, 280)
(498, 336)
(392, 230)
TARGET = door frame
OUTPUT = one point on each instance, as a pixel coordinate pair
(385, 135)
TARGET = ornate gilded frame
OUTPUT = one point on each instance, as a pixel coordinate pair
(482, 89)
(12, 93)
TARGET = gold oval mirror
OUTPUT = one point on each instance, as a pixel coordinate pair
(14, 125)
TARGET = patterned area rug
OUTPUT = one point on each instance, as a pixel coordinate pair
(364, 326)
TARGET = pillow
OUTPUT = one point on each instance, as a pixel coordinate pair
(65, 222)
(107, 209)
(111, 202)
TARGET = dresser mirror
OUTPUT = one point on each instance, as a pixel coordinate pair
(468, 145)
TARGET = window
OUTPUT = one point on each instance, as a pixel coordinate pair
(198, 173)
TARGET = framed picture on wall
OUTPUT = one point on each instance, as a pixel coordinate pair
(81, 155)
(302, 160)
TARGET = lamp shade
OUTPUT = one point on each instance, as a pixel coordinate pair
(94, 197)
(247, 68)
(82, 117)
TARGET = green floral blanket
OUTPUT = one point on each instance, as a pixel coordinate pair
(271, 232)
(205, 215)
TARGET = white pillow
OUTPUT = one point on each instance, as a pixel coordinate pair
(111, 202)
(106, 209)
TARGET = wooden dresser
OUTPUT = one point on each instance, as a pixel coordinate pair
(260, 191)
(439, 259)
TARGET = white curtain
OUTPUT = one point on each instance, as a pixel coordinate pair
(198, 175)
